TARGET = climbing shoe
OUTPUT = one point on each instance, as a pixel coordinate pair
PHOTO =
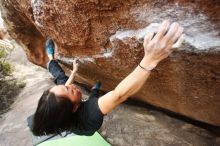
(97, 85)
(49, 47)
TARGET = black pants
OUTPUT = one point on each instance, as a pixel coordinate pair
(59, 75)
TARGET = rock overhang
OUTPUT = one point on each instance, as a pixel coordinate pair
(108, 36)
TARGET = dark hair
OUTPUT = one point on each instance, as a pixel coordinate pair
(53, 115)
(49, 43)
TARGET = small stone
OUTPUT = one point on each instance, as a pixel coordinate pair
(150, 117)
(103, 133)
(217, 140)
(187, 126)
(110, 140)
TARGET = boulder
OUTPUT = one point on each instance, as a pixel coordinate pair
(4, 34)
(107, 36)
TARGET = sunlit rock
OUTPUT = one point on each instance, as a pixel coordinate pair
(108, 36)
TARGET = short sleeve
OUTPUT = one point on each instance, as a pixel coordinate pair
(90, 117)
(95, 116)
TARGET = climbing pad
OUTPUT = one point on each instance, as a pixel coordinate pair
(67, 139)
(76, 140)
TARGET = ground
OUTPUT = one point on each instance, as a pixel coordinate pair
(131, 124)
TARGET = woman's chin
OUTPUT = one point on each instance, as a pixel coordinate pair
(79, 96)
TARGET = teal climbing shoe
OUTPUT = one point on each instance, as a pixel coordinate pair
(49, 47)
(97, 85)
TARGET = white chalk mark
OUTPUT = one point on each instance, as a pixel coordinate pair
(201, 41)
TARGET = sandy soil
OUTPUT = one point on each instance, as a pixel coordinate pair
(13, 126)
(131, 124)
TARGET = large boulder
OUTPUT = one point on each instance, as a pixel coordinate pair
(3, 31)
(108, 36)
(4, 34)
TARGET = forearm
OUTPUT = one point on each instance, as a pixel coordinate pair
(126, 88)
(156, 47)
(134, 81)
(71, 78)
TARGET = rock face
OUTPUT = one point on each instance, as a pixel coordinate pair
(108, 36)
(3, 31)
(4, 34)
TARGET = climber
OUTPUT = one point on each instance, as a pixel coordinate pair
(60, 107)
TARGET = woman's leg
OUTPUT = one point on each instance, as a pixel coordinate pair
(95, 90)
(53, 66)
(57, 72)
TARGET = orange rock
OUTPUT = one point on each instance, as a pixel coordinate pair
(108, 35)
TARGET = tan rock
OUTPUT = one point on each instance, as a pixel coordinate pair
(108, 36)
(4, 34)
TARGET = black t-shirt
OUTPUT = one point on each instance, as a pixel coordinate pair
(89, 117)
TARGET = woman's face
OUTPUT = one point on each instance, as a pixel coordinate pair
(70, 91)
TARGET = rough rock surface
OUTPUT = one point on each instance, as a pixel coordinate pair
(3, 31)
(108, 36)
(127, 125)
(4, 34)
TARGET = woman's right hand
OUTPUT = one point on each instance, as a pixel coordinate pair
(75, 65)
(160, 46)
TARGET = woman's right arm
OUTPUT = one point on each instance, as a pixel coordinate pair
(156, 48)
(73, 73)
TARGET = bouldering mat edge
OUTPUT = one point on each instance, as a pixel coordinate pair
(95, 140)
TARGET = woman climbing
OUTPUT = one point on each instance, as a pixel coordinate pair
(60, 107)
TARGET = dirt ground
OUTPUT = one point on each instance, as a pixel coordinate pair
(131, 124)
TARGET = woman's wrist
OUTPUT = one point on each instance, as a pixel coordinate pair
(148, 64)
(73, 71)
